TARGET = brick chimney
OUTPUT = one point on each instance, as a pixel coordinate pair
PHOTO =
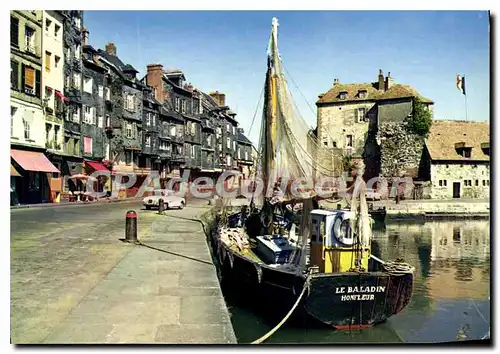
(388, 81)
(111, 48)
(218, 97)
(381, 83)
(85, 36)
(154, 79)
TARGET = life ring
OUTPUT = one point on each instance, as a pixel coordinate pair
(342, 229)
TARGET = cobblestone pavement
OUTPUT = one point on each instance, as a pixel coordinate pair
(74, 281)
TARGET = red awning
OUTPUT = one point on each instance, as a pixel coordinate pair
(97, 166)
(33, 161)
(61, 96)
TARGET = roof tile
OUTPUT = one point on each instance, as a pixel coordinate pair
(444, 134)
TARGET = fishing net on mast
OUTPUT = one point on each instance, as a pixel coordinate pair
(299, 161)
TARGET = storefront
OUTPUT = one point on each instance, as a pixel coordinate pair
(37, 172)
(102, 182)
(14, 175)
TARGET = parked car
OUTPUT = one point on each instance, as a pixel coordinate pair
(169, 199)
(372, 194)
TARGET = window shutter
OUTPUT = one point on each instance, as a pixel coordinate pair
(94, 115)
(14, 31)
(23, 76)
(14, 74)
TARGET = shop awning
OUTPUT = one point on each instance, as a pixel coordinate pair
(97, 166)
(33, 161)
(13, 172)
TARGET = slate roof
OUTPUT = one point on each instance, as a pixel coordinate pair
(391, 112)
(170, 113)
(444, 134)
(113, 59)
(243, 139)
(372, 93)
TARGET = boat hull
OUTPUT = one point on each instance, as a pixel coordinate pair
(341, 300)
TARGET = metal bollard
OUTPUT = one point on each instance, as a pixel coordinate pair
(161, 206)
(131, 226)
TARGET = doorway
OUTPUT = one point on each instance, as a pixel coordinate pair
(456, 189)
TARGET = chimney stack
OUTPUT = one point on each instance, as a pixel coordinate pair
(219, 98)
(381, 83)
(85, 36)
(154, 79)
(111, 49)
(388, 81)
(335, 81)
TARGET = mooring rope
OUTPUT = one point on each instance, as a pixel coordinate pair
(397, 266)
(278, 326)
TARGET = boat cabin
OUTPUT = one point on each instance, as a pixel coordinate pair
(334, 244)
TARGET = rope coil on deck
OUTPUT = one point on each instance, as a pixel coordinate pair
(282, 322)
(397, 266)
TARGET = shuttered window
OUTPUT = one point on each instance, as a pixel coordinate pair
(87, 145)
(29, 77)
(14, 75)
(38, 85)
(14, 31)
(47, 61)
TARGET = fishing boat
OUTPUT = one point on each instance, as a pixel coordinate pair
(316, 263)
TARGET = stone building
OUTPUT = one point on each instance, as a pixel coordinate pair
(456, 159)
(244, 154)
(354, 117)
(95, 147)
(226, 134)
(32, 182)
(72, 161)
(175, 99)
(149, 158)
(125, 115)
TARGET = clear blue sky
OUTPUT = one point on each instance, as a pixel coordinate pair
(226, 51)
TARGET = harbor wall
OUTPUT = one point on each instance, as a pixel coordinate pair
(438, 208)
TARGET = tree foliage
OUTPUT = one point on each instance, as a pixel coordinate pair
(421, 120)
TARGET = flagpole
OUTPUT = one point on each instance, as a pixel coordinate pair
(465, 107)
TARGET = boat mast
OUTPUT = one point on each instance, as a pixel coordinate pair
(271, 111)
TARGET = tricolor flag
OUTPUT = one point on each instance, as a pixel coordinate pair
(461, 83)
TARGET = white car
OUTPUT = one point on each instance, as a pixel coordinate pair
(168, 197)
(372, 194)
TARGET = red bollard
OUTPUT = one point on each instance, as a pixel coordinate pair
(131, 226)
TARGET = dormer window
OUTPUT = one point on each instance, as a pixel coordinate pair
(362, 93)
(463, 149)
(343, 95)
(485, 147)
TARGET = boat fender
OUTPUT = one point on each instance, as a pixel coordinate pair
(342, 222)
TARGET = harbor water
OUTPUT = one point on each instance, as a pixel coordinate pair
(450, 296)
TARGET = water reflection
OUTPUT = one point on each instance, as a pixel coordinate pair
(450, 295)
(452, 277)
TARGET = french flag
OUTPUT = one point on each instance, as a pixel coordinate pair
(461, 83)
